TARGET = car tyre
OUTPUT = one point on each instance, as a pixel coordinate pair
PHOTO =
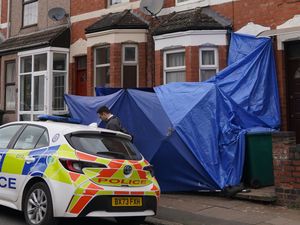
(38, 207)
(131, 220)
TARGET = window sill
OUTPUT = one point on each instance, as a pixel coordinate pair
(121, 4)
(9, 111)
(28, 26)
(188, 2)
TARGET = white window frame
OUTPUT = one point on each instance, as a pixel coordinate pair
(208, 67)
(23, 13)
(173, 69)
(188, 2)
(130, 63)
(66, 71)
(48, 84)
(100, 65)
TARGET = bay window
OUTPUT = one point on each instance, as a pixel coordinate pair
(42, 82)
(174, 66)
(209, 63)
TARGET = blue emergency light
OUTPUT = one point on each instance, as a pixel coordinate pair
(45, 117)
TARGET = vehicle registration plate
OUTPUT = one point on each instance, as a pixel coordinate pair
(127, 201)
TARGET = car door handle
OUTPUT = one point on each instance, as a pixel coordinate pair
(29, 159)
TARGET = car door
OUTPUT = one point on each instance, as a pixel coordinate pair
(19, 158)
(7, 181)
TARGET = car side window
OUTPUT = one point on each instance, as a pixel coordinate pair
(7, 133)
(30, 137)
(44, 140)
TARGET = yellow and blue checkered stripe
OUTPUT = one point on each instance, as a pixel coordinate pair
(38, 167)
(2, 157)
(13, 161)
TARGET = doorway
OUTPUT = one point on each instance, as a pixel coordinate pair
(293, 86)
(81, 75)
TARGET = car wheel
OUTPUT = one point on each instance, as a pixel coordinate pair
(37, 207)
(131, 220)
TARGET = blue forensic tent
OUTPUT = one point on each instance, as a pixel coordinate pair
(194, 133)
(101, 91)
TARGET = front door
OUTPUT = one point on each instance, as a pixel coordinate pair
(81, 76)
(293, 86)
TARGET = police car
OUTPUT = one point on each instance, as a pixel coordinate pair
(51, 169)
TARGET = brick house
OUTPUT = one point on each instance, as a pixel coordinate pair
(114, 44)
(34, 59)
(189, 44)
(111, 43)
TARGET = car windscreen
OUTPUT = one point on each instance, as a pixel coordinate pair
(104, 145)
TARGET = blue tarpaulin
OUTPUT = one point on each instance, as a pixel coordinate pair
(194, 132)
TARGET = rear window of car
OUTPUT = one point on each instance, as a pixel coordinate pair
(102, 145)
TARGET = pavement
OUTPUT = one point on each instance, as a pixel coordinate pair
(213, 209)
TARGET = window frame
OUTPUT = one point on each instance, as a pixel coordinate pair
(173, 69)
(48, 81)
(187, 2)
(116, 4)
(52, 71)
(100, 65)
(20, 132)
(6, 84)
(130, 63)
(208, 67)
(16, 135)
(23, 10)
(92, 134)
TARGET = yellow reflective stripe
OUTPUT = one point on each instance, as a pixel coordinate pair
(14, 161)
(65, 151)
(56, 172)
(103, 161)
(150, 193)
(73, 202)
(81, 190)
(106, 192)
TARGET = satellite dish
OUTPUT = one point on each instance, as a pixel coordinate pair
(56, 14)
(151, 7)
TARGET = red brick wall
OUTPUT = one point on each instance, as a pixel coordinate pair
(286, 163)
(159, 75)
(281, 77)
(90, 72)
(4, 11)
(83, 6)
(223, 52)
(142, 60)
(72, 78)
(4, 16)
(169, 3)
(150, 73)
(115, 64)
(78, 29)
(192, 63)
(266, 13)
